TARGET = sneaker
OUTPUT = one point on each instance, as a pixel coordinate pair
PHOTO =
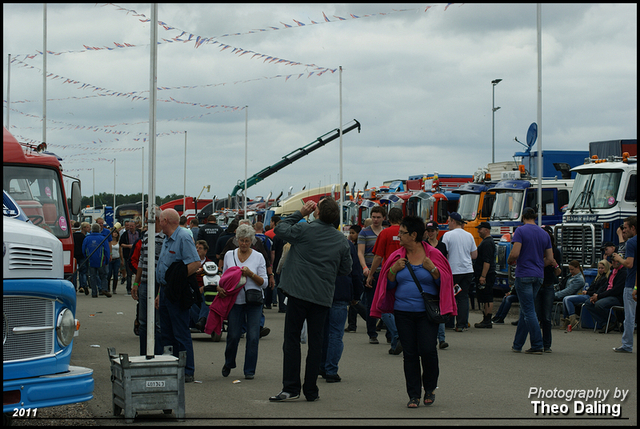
(498, 320)
(534, 351)
(200, 324)
(312, 398)
(86, 291)
(332, 378)
(460, 329)
(443, 344)
(373, 341)
(188, 378)
(284, 396)
(216, 337)
(515, 323)
(621, 350)
(397, 350)
(515, 350)
(547, 350)
(248, 376)
(81, 290)
(349, 330)
(264, 332)
(105, 293)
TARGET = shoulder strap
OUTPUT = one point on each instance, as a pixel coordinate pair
(233, 252)
(415, 279)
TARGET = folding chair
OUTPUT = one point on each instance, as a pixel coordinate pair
(611, 310)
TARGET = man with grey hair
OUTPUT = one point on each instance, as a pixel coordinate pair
(318, 254)
(96, 248)
(178, 246)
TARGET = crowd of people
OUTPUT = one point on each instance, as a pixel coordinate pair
(388, 273)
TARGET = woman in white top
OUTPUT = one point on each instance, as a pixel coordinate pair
(255, 270)
(116, 258)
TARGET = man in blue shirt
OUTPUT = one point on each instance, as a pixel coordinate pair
(631, 264)
(174, 322)
(97, 250)
(532, 250)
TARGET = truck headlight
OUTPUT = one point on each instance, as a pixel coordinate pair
(65, 327)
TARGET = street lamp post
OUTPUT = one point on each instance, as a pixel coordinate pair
(493, 119)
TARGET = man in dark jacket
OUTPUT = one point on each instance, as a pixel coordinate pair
(347, 288)
(608, 296)
(210, 232)
(318, 254)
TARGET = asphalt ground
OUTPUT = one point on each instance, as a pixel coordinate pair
(482, 381)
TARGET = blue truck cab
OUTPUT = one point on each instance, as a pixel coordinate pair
(39, 322)
(512, 197)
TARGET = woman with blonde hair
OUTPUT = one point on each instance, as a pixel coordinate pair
(569, 302)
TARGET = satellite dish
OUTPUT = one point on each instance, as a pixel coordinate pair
(532, 135)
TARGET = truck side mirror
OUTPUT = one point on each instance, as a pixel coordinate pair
(76, 198)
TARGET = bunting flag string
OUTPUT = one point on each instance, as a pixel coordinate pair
(135, 95)
(200, 40)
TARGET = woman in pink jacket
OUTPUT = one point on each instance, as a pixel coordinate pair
(397, 292)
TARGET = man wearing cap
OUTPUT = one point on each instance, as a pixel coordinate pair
(609, 249)
(484, 269)
(462, 249)
(532, 250)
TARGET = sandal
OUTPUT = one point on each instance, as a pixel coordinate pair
(429, 398)
(413, 403)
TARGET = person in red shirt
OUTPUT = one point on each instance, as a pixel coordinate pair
(387, 243)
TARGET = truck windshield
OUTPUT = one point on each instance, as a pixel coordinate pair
(468, 206)
(39, 193)
(508, 205)
(595, 190)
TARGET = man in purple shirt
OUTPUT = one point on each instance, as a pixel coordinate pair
(532, 251)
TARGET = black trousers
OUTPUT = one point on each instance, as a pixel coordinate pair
(419, 338)
(297, 311)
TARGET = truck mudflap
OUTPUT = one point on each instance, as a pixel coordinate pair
(70, 387)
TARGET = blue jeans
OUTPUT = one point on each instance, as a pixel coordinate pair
(419, 343)
(80, 273)
(629, 318)
(174, 330)
(390, 322)
(600, 310)
(544, 307)
(98, 279)
(333, 332)
(505, 305)
(142, 319)
(441, 332)
(114, 268)
(369, 292)
(238, 316)
(569, 304)
(527, 289)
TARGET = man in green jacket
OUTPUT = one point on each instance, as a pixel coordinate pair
(318, 254)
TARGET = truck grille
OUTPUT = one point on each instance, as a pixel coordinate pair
(581, 242)
(30, 258)
(28, 328)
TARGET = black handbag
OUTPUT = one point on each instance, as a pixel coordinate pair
(253, 296)
(431, 302)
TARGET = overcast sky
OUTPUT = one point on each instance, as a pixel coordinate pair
(418, 81)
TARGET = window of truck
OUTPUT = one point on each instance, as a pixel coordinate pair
(595, 190)
(507, 205)
(38, 192)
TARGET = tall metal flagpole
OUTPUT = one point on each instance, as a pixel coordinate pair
(142, 208)
(8, 90)
(342, 189)
(114, 191)
(184, 192)
(151, 275)
(246, 151)
(539, 13)
(44, 75)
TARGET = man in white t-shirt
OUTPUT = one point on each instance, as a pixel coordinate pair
(462, 250)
